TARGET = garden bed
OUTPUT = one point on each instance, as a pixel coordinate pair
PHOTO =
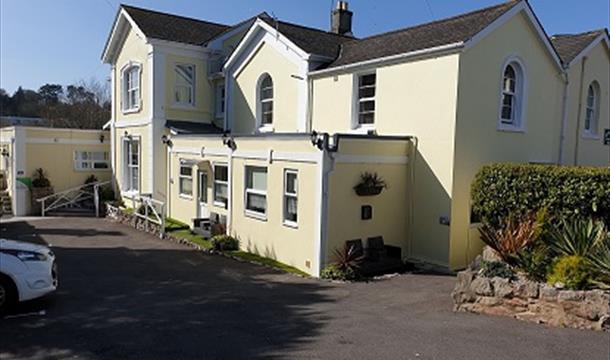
(180, 233)
(532, 301)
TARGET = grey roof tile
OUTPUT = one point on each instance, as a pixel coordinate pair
(570, 45)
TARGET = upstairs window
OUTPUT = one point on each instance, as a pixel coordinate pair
(265, 96)
(511, 108)
(184, 88)
(256, 190)
(131, 88)
(91, 160)
(221, 185)
(366, 99)
(592, 109)
(220, 100)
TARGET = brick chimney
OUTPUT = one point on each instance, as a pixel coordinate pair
(341, 19)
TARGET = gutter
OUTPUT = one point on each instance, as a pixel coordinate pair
(392, 58)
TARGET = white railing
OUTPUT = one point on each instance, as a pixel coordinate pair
(73, 198)
(150, 210)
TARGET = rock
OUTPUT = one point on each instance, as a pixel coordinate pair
(548, 293)
(462, 293)
(502, 287)
(570, 295)
(482, 286)
(604, 323)
(475, 265)
(489, 301)
(490, 254)
(526, 289)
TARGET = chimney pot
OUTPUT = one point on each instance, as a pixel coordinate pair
(341, 19)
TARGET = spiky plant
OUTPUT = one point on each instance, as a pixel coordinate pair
(347, 259)
(599, 261)
(577, 237)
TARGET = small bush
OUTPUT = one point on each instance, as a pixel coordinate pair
(599, 261)
(333, 272)
(40, 179)
(577, 237)
(513, 236)
(107, 193)
(534, 261)
(224, 243)
(572, 271)
(501, 191)
(496, 268)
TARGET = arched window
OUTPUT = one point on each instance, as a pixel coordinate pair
(592, 109)
(265, 99)
(130, 93)
(511, 110)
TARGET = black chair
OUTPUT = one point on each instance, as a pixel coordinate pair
(356, 245)
(376, 248)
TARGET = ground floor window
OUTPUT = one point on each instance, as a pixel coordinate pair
(290, 197)
(221, 185)
(186, 179)
(256, 190)
(131, 164)
(91, 160)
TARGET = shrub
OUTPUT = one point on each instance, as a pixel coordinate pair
(496, 268)
(512, 236)
(599, 261)
(577, 237)
(500, 191)
(332, 272)
(224, 243)
(106, 193)
(572, 271)
(347, 259)
(40, 179)
(534, 261)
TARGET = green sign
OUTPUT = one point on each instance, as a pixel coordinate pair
(27, 181)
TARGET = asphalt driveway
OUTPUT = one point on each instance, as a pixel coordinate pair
(127, 295)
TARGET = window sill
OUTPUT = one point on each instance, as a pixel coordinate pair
(185, 197)
(255, 215)
(290, 224)
(184, 106)
(131, 111)
(130, 194)
(266, 129)
(591, 136)
(92, 170)
(362, 129)
(220, 204)
(511, 129)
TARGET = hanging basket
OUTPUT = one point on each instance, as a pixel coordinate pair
(368, 190)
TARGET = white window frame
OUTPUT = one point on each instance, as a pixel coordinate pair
(592, 112)
(259, 104)
(88, 159)
(186, 165)
(249, 212)
(220, 100)
(356, 125)
(519, 97)
(127, 88)
(287, 195)
(216, 202)
(128, 167)
(191, 87)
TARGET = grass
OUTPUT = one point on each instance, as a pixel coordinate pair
(267, 262)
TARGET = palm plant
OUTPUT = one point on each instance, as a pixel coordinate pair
(577, 237)
(599, 261)
(347, 259)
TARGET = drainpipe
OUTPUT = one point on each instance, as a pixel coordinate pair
(564, 120)
(230, 192)
(579, 115)
(309, 109)
(168, 189)
(412, 163)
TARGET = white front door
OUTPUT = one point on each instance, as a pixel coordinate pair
(203, 211)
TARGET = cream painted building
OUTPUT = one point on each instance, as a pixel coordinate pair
(222, 122)
(68, 157)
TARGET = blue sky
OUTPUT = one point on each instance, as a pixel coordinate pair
(60, 41)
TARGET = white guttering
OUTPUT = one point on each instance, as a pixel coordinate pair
(392, 58)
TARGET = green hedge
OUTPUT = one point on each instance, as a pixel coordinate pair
(501, 190)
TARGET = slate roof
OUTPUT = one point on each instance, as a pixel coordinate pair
(170, 27)
(190, 127)
(570, 45)
(442, 32)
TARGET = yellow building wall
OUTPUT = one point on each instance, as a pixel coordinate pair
(53, 151)
(591, 150)
(203, 109)
(414, 98)
(134, 49)
(285, 92)
(478, 142)
(391, 208)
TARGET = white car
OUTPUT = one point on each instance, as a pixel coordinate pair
(27, 271)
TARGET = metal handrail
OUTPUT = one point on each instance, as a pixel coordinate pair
(80, 195)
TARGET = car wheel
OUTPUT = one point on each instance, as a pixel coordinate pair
(7, 294)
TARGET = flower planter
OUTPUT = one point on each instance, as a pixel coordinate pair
(368, 190)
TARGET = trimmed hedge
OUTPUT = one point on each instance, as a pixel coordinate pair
(501, 190)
